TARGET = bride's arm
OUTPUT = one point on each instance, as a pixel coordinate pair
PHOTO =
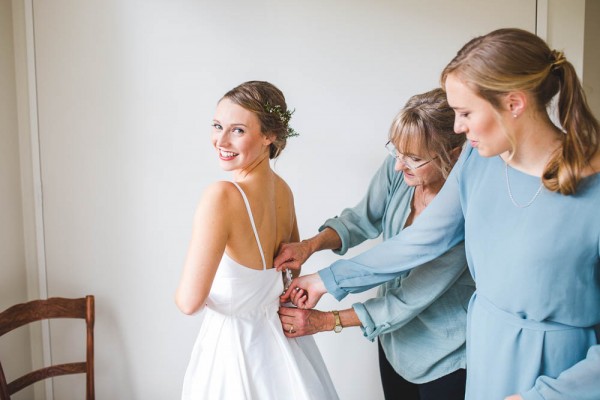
(210, 231)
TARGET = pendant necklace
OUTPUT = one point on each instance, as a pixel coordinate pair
(510, 192)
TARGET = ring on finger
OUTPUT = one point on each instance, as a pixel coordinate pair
(291, 330)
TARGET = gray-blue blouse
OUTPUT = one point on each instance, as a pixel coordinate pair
(420, 317)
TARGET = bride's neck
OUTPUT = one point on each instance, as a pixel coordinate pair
(260, 166)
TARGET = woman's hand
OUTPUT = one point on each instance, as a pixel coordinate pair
(514, 397)
(292, 255)
(298, 322)
(305, 291)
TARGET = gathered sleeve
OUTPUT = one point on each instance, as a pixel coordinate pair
(439, 228)
(578, 382)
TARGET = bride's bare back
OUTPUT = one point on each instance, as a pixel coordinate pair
(272, 206)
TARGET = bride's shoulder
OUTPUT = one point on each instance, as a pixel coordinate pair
(219, 195)
(220, 189)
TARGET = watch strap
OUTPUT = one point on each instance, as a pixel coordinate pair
(337, 328)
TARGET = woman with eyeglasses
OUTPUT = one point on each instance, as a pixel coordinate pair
(420, 317)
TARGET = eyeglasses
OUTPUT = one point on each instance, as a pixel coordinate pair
(409, 161)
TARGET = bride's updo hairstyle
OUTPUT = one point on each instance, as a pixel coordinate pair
(267, 102)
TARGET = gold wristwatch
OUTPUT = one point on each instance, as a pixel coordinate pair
(338, 323)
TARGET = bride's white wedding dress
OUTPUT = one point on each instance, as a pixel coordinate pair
(241, 351)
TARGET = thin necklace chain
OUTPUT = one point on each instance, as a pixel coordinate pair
(511, 195)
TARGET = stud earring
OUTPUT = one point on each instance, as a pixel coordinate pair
(514, 115)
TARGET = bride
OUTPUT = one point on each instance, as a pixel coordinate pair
(241, 351)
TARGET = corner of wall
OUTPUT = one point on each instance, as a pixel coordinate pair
(591, 55)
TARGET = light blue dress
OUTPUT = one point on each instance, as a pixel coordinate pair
(533, 320)
(419, 317)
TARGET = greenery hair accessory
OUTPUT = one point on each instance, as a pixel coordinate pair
(284, 117)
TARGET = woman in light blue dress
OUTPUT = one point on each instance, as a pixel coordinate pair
(524, 196)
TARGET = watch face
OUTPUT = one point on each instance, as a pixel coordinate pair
(337, 329)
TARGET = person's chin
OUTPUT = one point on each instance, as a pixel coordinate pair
(486, 151)
(411, 180)
(227, 166)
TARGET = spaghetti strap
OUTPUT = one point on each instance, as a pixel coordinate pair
(262, 255)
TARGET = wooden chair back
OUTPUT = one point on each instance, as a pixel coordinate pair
(36, 310)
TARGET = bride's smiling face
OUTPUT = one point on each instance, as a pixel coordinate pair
(237, 136)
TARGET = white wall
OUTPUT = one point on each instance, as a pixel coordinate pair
(126, 90)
